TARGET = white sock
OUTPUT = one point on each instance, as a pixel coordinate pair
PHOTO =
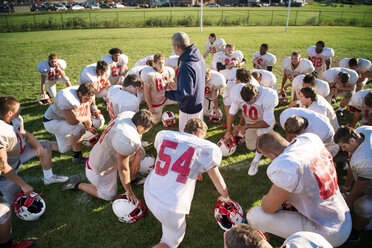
(48, 174)
(340, 108)
(257, 157)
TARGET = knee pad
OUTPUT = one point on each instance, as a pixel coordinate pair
(5, 213)
(79, 130)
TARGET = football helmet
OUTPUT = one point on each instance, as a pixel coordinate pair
(227, 146)
(28, 207)
(169, 119)
(227, 214)
(127, 211)
(239, 138)
(89, 138)
(43, 100)
(147, 164)
(214, 118)
(98, 122)
(283, 99)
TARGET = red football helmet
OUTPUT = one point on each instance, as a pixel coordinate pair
(239, 138)
(283, 99)
(169, 119)
(89, 138)
(43, 100)
(28, 207)
(227, 214)
(227, 146)
(214, 118)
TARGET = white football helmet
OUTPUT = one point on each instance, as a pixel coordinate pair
(283, 99)
(127, 211)
(98, 122)
(214, 118)
(89, 138)
(43, 100)
(239, 138)
(147, 164)
(169, 119)
(227, 214)
(227, 146)
(28, 207)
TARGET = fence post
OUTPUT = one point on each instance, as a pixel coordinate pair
(117, 17)
(342, 14)
(248, 18)
(364, 17)
(34, 20)
(90, 20)
(7, 23)
(171, 21)
(320, 12)
(221, 18)
(296, 18)
(144, 18)
(272, 17)
(62, 20)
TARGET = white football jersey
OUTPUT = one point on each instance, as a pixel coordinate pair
(119, 101)
(120, 136)
(261, 110)
(306, 240)
(321, 87)
(116, 69)
(306, 170)
(268, 79)
(51, 73)
(357, 101)
(181, 157)
(89, 75)
(319, 59)
(363, 66)
(263, 61)
(143, 60)
(305, 66)
(330, 75)
(317, 123)
(66, 99)
(217, 82)
(136, 70)
(217, 46)
(361, 159)
(222, 58)
(172, 61)
(158, 82)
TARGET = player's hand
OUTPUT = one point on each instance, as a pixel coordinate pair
(27, 189)
(236, 130)
(223, 199)
(228, 135)
(92, 129)
(132, 197)
(219, 115)
(293, 104)
(43, 94)
(152, 111)
(40, 151)
(96, 113)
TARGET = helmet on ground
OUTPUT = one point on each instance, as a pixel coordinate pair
(227, 214)
(227, 146)
(169, 119)
(43, 100)
(127, 211)
(216, 116)
(89, 138)
(98, 122)
(239, 138)
(147, 164)
(28, 207)
(283, 99)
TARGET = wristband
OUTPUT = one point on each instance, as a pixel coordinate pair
(225, 199)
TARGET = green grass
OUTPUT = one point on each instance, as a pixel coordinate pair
(74, 219)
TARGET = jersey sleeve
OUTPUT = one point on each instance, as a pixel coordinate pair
(297, 83)
(356, 101)
(240, 55)
(322, 88)
(214, 157)
(235, 97)
(281, 172)
(328, 52)
(271, 60)
(353, 77)
(307, 66)
(268, 115)
(285, 64)
(218, 81)
(221, 44)
(171, 74)
(62, 63)
(217, 57)
(66, 101)
(42, 66)
(84, 77)
(124, 145)
(3, 142)
(344, 63)
(124, 59)
(147, 76)
(310, 51)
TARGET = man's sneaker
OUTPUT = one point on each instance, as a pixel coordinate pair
(253, 169)
(138, 181)
(224, 126)
(24, 244)
(80, 159)
(55, 179)
(340, 115)
(73, 183)
(145, 143)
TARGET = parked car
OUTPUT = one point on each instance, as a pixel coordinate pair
(214, 5)
(105, 6)
(184, 5)
(118, 6)
(77, 7)
(60, 7)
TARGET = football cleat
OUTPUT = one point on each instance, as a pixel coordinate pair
(147, 164)
(227, 146)
(169, 119)
(228, 214)
(28, 207)
(89, 138)
(283, 99)
(216, 116)
(127, 211)
(98, 122)
(43, 100)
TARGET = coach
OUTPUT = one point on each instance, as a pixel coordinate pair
(190, 80)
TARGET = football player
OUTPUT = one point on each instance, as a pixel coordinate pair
(294, 66)
(117, 65)
(52, 72)
(341, 82)
(361, 103)
(170, 187)
(257, 104)
(296, 121)
(309, 80)
(321, 57)
(122, 98)
(361, 66)
(214, 82)
(156, 80)
(97, 75)
(264, 60)
(66, 117)
(265, 78)
(17, 146)
(358, 196)
(137, 71)
(303, 174)
(214, 45)
(117, 151)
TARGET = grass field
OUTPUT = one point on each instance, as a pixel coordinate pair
(74, 219)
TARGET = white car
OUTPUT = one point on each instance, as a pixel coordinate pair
(119, 6)
(77, 7)
(214, 5)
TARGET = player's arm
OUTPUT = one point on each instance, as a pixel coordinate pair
(215, 99)
(273, 200)
(345, 87)
(218, 182)
(358, 188)
(146, 91)
(33, 141)
(241, 125)
(258, 124)
(63, 75)
(328, 63)
(124, 174)
(206, 54)
(348, 182)
(355, 118)
(43, 78)
(284, 79)
(72, 119)
(229, 127)
(7, 171)
(241, 63)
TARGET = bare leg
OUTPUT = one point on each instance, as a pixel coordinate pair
(46, 161)
(161, 245)
(344, 102)
(76, 143)
(88, 188)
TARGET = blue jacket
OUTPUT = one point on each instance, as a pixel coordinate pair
(190, 82)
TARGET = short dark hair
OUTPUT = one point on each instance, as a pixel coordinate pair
(344, 134)
(264, 45)
(7, 103)
(321, 43)
(230, 45)
(295, 124)
(248, 92)
(143, 118)
(52, 56)
(243, 236)
(244, 75)
(309, 92)
(158, 57)
(353, 62)
(194, 125)
(115, 51)
(86, 89)
(309, 79)
(213, 35)
(295, 53)
(368, 99)
(343, 76)
(150, 62)
(102, 65)
(132, 79)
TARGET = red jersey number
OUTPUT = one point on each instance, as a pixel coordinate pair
(317, 61)
(161, 83)
(207, 90)
(250, 112)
